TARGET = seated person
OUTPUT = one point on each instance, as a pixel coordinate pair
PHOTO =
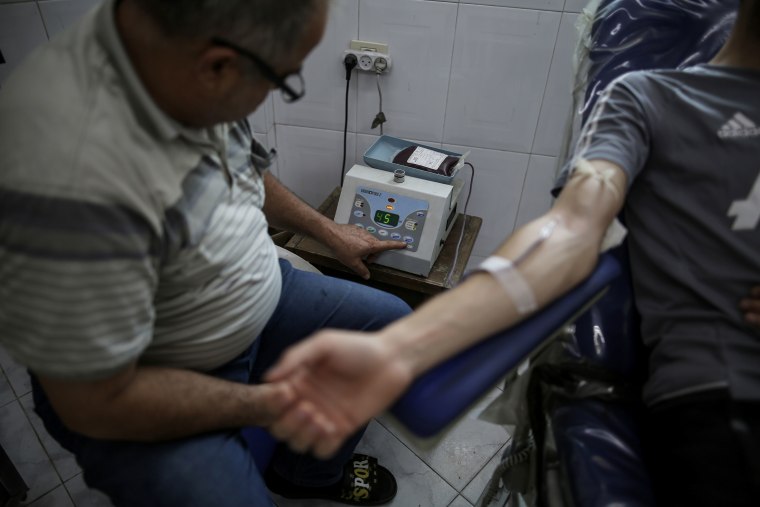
(137, 280)
(685, 148)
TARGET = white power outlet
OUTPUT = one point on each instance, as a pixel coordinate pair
(370, 56)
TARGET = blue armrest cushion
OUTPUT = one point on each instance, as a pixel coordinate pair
(437, 398)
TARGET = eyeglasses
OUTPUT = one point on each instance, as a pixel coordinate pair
(292, 86)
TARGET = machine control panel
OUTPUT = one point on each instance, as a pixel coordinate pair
(389, 216)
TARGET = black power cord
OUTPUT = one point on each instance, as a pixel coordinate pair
(350, 63)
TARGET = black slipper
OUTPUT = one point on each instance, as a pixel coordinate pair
(364, 483)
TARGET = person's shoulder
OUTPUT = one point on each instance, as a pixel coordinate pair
(81, 147)
(641, 81)
(653, 88)
(687, 76)
(47, 103)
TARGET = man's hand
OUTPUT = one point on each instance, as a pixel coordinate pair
(351, 245)
(751, 307)
(341, 380)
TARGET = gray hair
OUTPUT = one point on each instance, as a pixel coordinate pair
(271, 28)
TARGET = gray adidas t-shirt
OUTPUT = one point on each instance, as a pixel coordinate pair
(690, 144)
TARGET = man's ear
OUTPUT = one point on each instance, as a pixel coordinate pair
(219, 69)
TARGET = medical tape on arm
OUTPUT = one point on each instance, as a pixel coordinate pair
(513, 283)
(509, 277)
(585, 169)
(616, 232)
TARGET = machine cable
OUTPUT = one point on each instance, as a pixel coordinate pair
(350, 63)
(380, 117)
(447, 284)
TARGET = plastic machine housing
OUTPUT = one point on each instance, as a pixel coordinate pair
(425, 210)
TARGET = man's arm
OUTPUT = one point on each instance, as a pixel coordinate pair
(343, 379)
(153, 404)
(350, 244)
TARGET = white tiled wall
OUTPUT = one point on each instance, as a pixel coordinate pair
(488, 76)
(21, 30)
(59, 14)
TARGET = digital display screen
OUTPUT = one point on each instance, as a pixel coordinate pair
(385, 218)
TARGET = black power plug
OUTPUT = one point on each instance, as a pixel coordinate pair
(350, 62)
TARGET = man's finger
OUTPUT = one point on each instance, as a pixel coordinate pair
(382, 246)
(307, 434)
(360, 269)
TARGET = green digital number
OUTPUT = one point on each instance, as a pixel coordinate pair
(383, 218)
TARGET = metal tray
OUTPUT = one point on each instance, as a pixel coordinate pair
(380, 156)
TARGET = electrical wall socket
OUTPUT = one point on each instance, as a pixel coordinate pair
(362, 45)
(371, 56)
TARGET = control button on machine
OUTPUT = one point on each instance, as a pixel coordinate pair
(371, 229)
(359, 203)
(360, 226)
(382, 232)
(409, 239)
(420, 213)
(358, 213)
(411, 225)
(395, 235)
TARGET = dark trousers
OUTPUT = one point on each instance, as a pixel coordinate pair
(704, 450)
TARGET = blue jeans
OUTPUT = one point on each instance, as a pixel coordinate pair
(217, 468)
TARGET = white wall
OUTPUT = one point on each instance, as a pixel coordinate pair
(489, 76)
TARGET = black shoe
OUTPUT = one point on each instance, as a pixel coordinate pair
(364, 483)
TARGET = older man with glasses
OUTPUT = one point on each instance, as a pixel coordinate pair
(137, 280)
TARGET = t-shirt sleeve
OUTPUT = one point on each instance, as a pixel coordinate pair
(617, 130)
(77, 281)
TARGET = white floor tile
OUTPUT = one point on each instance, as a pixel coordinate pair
(16, 374)
(463, 450)
(418, 484)
(6, 392)
(59, 497)
(63, 460)
(460, 501)
(84, 496)
(23, 448)
(477, 485)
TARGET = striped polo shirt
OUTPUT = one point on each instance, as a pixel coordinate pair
(123, 235)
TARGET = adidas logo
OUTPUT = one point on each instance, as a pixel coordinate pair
(739, 126)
